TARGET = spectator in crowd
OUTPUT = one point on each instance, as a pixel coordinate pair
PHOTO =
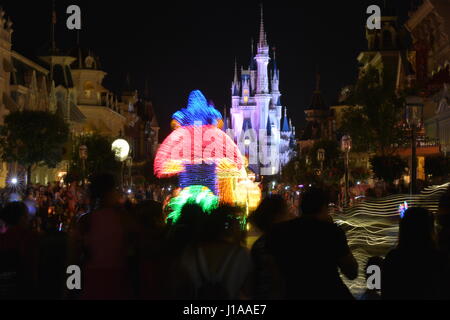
(214, 266)
(19, 254)
(102, 244)
(152, 252)
(443, 223)
(415, 270)
(310, 250)
(268, 284)
(52, 260)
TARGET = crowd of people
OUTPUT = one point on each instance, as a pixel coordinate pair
(128, 250)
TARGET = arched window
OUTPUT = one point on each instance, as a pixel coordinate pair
(90, 62)
(88, 89)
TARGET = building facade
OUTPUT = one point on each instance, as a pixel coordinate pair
(429, 26)
(71, 85)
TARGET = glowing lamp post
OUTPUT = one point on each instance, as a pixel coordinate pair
(346, 147)
(121, 148)
(321, 158)
(414, 117)
(83, 153)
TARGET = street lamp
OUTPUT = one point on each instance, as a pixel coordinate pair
(121, 148)
(346, 147)
(321, 158)
(83, 153)
(130, 166)
(414, 120)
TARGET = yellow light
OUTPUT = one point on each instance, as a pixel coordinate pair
(121, 148)
(175, 125)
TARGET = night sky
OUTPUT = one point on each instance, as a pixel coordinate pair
(182, 46)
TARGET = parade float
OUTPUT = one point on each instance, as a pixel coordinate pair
(209, 165)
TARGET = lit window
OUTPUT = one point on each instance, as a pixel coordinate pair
(88, 89)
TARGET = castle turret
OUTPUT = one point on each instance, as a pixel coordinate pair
(257, 109)
(263, 96)
(235, 88)
(262, 60)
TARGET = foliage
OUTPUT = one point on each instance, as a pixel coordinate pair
(359, 173)
(33, 138)
(388, 168)
(437, 166)
(332, 153)
(374, 121)
(304, 170)
(101, 158)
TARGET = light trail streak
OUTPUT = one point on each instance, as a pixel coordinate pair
(372, 226)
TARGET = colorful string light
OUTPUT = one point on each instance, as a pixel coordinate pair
(201, 154)
(199, 195)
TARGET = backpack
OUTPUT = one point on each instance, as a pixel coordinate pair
(212, 287)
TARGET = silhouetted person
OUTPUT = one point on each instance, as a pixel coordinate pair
(186, 229)
(152, 255)
(375, 293)
(310, 251)
(18, 254)
(214, 266)
(105, 238)
(443, 223)
(52, 261)
(415, 270)
(268, 284)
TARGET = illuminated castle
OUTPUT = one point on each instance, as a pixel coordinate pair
(257, 109)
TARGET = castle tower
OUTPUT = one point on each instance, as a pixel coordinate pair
(256, 111)
(262, 59)
(88, 78)
(317, 115)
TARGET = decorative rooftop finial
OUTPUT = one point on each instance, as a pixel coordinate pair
(317, 81)
(146, 90)
(236, 79)
(53, 27)
(262, 33)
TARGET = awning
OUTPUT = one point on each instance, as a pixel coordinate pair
(76, 115)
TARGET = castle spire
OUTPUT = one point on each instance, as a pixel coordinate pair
(262, 33)
(275, 67)
(146, 90)
(236, 79)
(53, 48)
(286, 122)
(317, 82)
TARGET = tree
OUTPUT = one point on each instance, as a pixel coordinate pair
(304, 169)
(298, 171)
(438, 167)
(388, 168)
(333, 154)
(359, 173)
(33, 138)
(101, 158)
(374, 122)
